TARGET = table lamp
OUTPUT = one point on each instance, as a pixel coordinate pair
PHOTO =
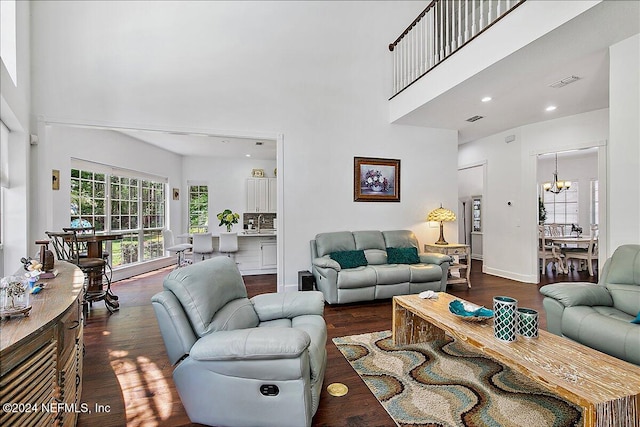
(441, 215)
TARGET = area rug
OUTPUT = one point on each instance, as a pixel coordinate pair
(450, 384)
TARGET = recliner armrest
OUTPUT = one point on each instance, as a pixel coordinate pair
(572, 294)
(251, 344)
(323, 262)
(287, 305)
(434, 258)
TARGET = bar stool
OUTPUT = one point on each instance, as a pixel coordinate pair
(67, 248)
(179, 249)
(202, 245)
(228, 243)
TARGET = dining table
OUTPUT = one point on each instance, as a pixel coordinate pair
(573, 242)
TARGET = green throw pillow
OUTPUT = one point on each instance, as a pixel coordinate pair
(349, 259)
(403, 256)
(636, 320)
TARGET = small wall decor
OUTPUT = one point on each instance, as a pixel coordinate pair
(376, 180)
(176, 194)
(55, 179)
(257, 173)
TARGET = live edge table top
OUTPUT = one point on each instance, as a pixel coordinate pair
(607, 388)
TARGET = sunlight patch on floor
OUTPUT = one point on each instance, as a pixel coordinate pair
(144, 389)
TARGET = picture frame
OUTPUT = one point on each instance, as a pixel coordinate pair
(176, 194)
(376, 179)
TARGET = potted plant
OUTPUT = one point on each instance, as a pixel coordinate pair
(228, 218)
(542, 212)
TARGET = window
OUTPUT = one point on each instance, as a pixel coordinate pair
(113, 200)
(594, 202)
(198, 208)
(562, 208)
(4, 173)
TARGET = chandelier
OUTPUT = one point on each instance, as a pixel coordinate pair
(556, 186)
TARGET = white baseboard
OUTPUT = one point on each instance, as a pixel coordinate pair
(125, 272)
(510, 275)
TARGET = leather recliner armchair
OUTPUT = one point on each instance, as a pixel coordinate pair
(240, 361)
(599, 315)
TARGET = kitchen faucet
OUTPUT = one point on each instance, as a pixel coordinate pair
(260, 221)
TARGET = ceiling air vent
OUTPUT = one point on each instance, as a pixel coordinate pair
(564, 82)
(474, 119)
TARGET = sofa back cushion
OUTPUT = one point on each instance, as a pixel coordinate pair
(334, 242)
(400, 239)
(204, 289)
(370, 239)
(623, 279)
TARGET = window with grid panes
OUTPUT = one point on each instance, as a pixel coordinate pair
(562, 208)
(198, 208)
(134, 206)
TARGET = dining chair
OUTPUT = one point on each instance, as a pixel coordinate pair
(228, 243)
(202, 246)
(548, 252)
(587, 254)
(179, 249)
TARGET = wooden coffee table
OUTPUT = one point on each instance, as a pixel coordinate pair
(607, 389)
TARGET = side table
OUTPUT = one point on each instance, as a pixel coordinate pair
(462, 251)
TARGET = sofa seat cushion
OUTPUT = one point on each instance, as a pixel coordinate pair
(358, 277)
(421, 273)
(605, 329)
(391, 274)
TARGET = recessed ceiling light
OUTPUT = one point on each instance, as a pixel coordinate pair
(486, 99)
(247, 155)
(551, 108)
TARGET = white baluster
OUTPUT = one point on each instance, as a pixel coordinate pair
(498, 9)
(489, 13)
(466, 21)
(441, 31)
(473, 23)
(452, 17)
(447, 34)
(481, 23)
(460, 23)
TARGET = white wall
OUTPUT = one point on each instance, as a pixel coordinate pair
(318, 73)
(15, 104)
(624, 151)
(227, 181)
(511, 177)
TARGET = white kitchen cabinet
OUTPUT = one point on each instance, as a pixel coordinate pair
(268, 254)
(273, 194)
(261, 195)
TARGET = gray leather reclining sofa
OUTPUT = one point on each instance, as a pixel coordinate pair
(375, 277)
(600, 315)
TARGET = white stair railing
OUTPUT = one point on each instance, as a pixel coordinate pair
(440, 30)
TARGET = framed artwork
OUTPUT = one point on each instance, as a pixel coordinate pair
(176, 194)
(376, 180)
(55, 179)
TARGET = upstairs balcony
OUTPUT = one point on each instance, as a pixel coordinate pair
(458, 51)
(442, 28)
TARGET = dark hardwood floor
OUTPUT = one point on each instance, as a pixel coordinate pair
(127, 372)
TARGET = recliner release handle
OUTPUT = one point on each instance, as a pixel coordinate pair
(269, 389)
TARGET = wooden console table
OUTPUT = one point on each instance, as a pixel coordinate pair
(607, 389)
(460, 250)
(42, 355)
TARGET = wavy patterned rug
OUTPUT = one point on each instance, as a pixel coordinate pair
(451, 385)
